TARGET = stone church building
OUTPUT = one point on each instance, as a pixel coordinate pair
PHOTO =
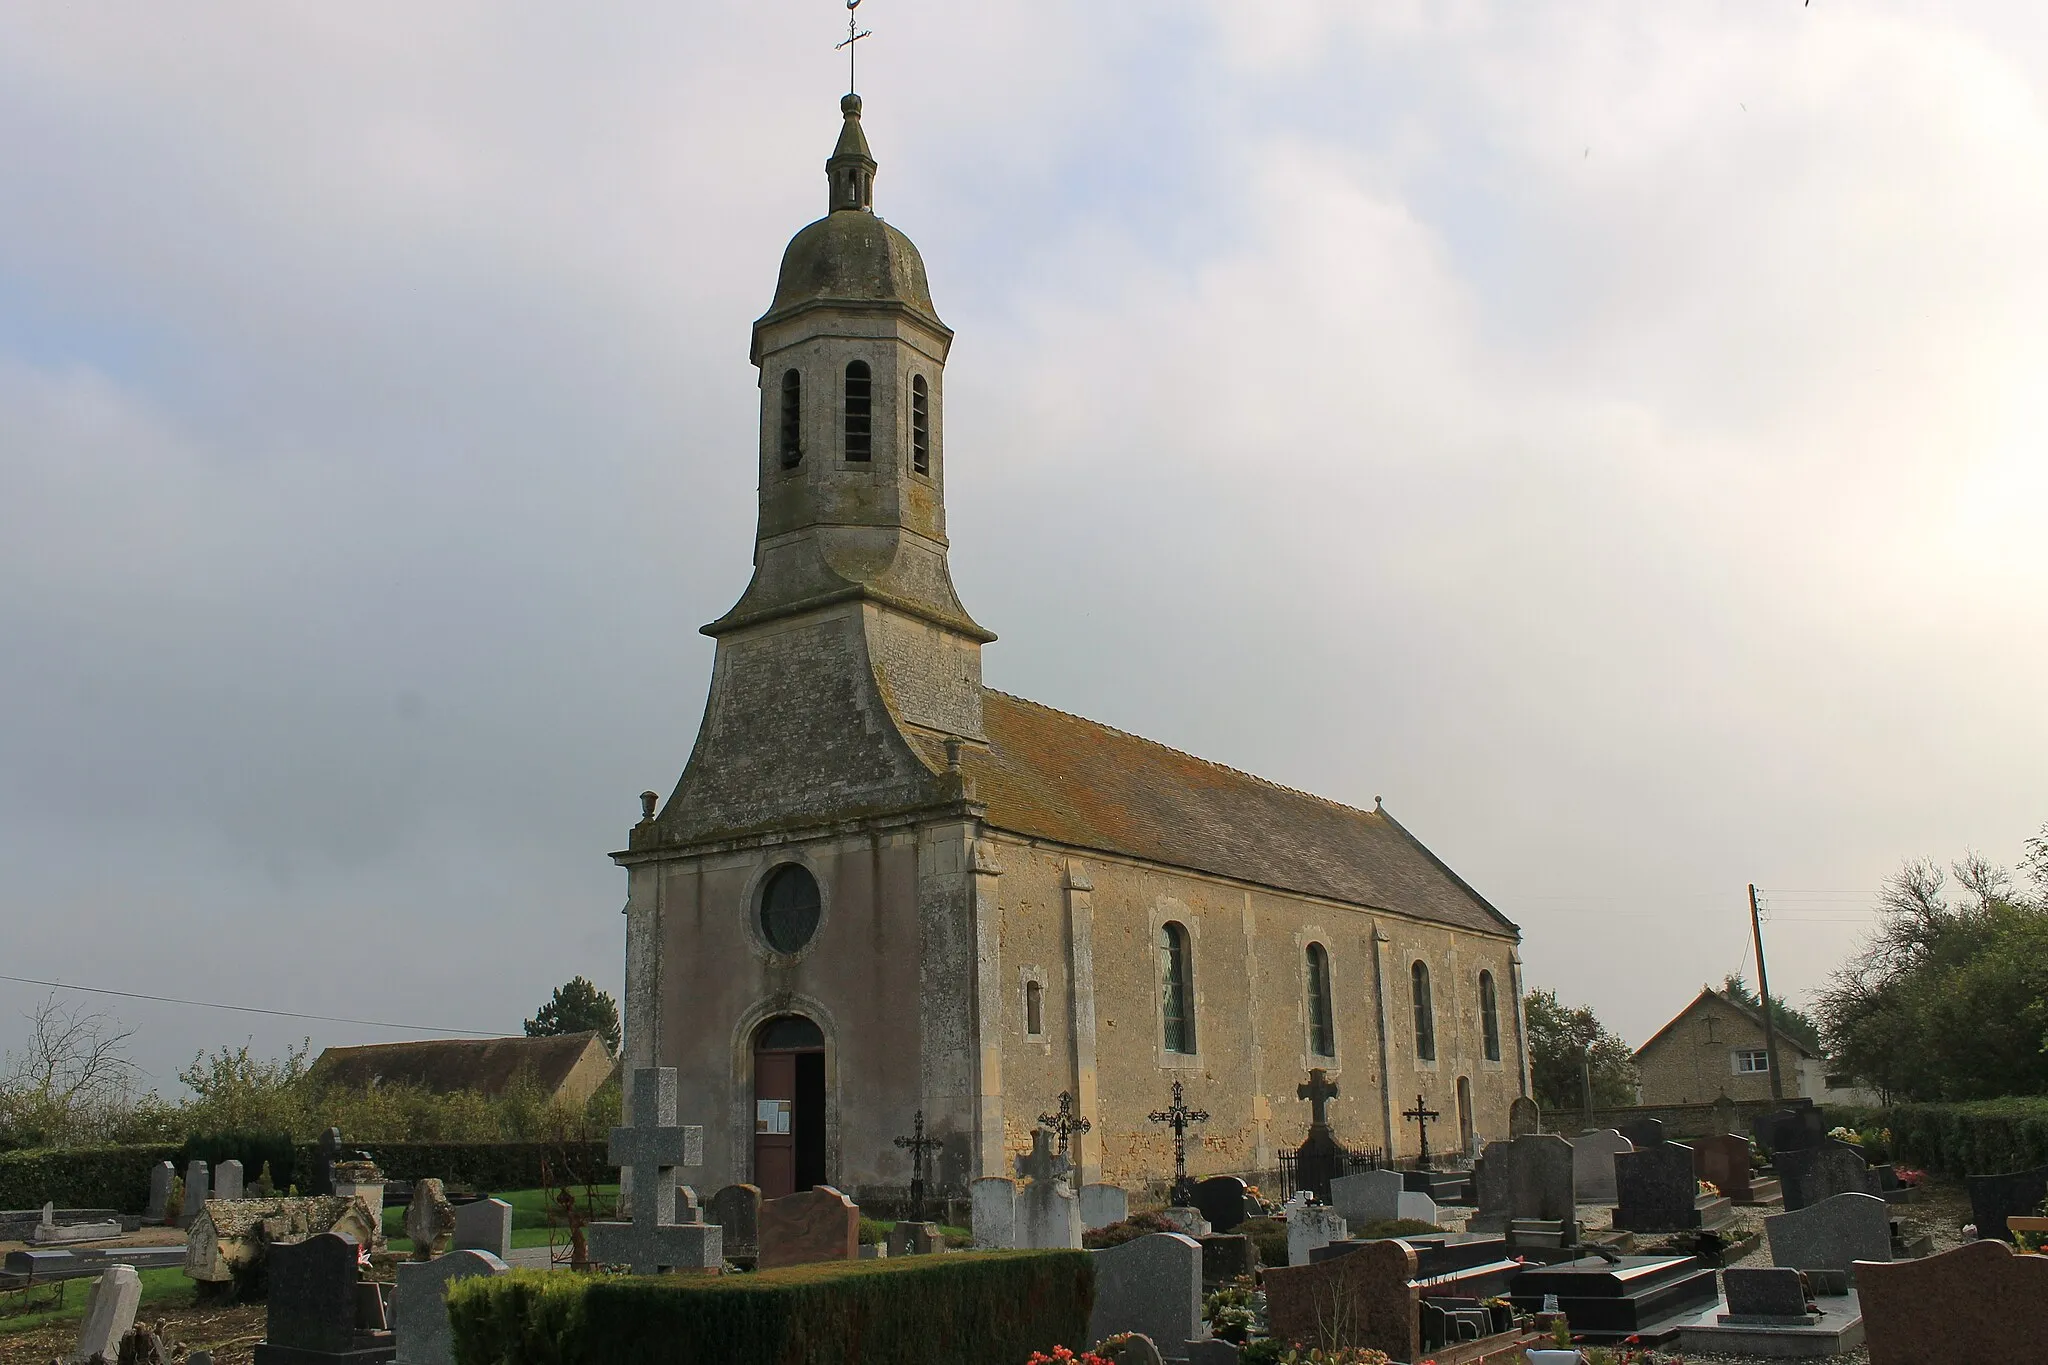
(881, 887)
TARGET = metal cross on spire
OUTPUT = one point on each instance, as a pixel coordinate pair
(854, 33)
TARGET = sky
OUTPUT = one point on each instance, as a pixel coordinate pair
(1613, 434)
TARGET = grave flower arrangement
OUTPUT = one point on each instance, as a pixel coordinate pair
(1062, 1355)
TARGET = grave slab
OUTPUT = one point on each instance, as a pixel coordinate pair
(314, 1313)
(196, 1193)
(915, 1239)
(818, 1224)
(1979, 1302)
(1368, 1197)
(429, 1219)
(1832, 1235)
(419, 1308)
(1102, 1205)
(1224, 1201)
(227, 1180)
(994, 1200)
(1150, 1284)
(1593, 1156)
(653, 1148)
(737, 1209)
(1655, 1189)
(484, 1225)
(1836, 1330)
(160, 1177)
(1807, 1175)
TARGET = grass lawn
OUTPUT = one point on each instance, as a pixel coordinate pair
(529, 1217)
(162, 1285)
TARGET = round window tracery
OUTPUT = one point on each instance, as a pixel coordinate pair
(789, 908)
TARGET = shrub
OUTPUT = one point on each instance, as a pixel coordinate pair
(1129, 1230)
(1395, 1227)
(964, 1309)
(1269, 1235)
(253, 1150)
(81, 1177)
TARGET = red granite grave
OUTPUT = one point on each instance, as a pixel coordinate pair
(819, 1224)
(1979, 1302)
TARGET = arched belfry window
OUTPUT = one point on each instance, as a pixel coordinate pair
(1176, 989)
(860, 405)
(1034, 1008)
(1489, 1016)
(1425, 1013)
(1322, 1032)
(792, 418)
(920, 426)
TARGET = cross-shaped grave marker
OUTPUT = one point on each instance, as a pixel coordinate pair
(652, 1149)
(1042, 1163)
(1065, 1122)
(1178, 1116)
(1318, 1090)
(1420, 1116)
(920, 1147)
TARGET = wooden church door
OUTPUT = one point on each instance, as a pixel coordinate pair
(789, 1106)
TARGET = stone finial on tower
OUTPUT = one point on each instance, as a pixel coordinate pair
(851, 170)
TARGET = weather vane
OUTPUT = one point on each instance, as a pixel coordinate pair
(854, 33)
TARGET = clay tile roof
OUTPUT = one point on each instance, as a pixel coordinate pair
(447, 1065)
(1050, 775)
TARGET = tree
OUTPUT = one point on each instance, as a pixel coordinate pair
(578, 1007)
(70, 1081)
(1789, 1023)
(1559, 1038)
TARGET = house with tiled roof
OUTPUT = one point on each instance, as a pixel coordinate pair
(1715, 1046)
(881, 889)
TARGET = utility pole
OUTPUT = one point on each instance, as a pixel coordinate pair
(1763, 991)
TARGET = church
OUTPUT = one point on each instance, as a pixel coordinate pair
(882, 889)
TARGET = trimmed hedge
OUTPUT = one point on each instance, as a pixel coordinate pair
(81, 1177)
(483, 1166)
(253, 1150)
(966, 1308)
(1978, 1137)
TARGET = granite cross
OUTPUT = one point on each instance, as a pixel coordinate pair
(1042, 1164)
(1318, 1090)
(1178, 1116)
(1066, 1121)
(652, 1149)
(1420, 1116)
(920, 1148)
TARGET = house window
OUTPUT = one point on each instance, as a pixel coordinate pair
(860, 388)
(920, 426)
(792, 419)
(1425, 1013)
(1034, 1009)
(1752, 1061)
(1322, 1033)
(1176, 989)
(1489, 1016)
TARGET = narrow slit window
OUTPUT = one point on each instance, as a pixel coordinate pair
(1489, 1016)
(860, 414)
(1322, 1032)
(1034, 1008)
(920, 426)
(1425, 1013)
(792, 419)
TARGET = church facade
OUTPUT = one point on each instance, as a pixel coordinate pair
(882, 889)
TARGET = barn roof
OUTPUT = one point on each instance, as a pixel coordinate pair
(447, 1065)
(1050, 775)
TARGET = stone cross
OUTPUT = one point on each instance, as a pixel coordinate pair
(1319, 1090)
(1043, 1164)
(652, 1149)
(1420, 1116)
(1178, 1116)
(1065, 1122)
(920, 1148)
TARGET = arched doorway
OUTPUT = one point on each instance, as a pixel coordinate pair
(1466, 1137)
(789, 1105)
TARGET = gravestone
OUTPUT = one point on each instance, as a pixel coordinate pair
(429, 1220)
(1723, 1159)
(1368, 1197)
(313, 1308)
(322, 1181)
(1786, 1130)
(994, 1201)
(1227, 1256)
(109, 1312)
(1643, 1132)
(196, 1193)
(1979, 1302)
(360, 1179)
(1048, 1214)
(1831, 1235)
(818, 1224)
(484, 1225)
(1593, 1156)
(1995, 1198)
(419, 1309)
(1224, 1202)
(1726, 1115)
(1187, 1220)
(737, 1209)
(1416, 1207)
(1364, 1297)
(1528, 1178)
(1525, 1118)
(915, 1239)
(1807, 1175)
(1655, 1190)
(160, 1177)
(1765, 1296)
(1312, 1227)
(654, 1147)
(1150, 1284)
(1102, 1205)
(227, 1180)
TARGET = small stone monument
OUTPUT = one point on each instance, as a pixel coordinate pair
(227, 1180)
(484, 1225)
(1048, 1214)
(429, 1219)
(1593, 1156)
(737, 1209)
(994, 1199)
(160, 1177)
(1525, 1118)
(1311, 1227)
(197, 1191)
(419, 1309)
(109, 1312)
(1102, 1205)
(653, 1148)
(362, 1180)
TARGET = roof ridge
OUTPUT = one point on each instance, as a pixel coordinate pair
(1193, 758)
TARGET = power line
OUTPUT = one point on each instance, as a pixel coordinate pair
(252, 1009)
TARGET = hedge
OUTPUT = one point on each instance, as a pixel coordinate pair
(965, 1308)
(118, 1177)
(1979, 1137)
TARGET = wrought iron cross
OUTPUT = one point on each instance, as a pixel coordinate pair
(1318, 1090)
(1178, 1116)
(1065, 1122)
(854, 33)
(1420, 1116)
(920, 1147)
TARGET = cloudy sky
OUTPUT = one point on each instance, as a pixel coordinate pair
(1612, 433)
